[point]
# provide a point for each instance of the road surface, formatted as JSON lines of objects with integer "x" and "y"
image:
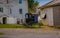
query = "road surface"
{"x": 29, "y": 33}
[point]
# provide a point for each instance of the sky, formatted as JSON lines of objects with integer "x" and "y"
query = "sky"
{"x": 42, "y": 2}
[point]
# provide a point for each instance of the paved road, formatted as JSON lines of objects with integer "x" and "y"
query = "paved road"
{"x": 29, "y": 33}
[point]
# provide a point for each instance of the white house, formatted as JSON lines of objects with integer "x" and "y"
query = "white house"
{"x": 13, "y": 11}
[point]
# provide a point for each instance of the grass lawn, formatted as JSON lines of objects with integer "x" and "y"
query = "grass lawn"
{"x": 1, "y": 33}
{"x": 57, "y": 26}
{"x": 11, "y": 26}
{"x": 35, "y": 25}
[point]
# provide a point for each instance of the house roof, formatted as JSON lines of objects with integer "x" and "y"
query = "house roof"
{"x": 50, "y": 4}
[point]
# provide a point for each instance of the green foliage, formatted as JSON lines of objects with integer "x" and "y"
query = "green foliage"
{"x": 32, "y": 4}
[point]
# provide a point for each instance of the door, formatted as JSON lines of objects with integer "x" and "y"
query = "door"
{"x": 4, "y": 20}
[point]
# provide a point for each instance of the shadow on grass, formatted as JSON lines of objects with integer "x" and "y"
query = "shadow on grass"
{"x": 57, "y": 26}
{"x": 35, "y": 25}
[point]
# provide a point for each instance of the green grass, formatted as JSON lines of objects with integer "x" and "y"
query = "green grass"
{"x": 57, "y": 26}
{"x": 37, "y": 25}
{"x": 11, "y": 26}
{"x": 1, "y": 33}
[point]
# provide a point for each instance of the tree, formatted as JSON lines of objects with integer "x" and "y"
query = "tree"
{"x": 32, "y": 4}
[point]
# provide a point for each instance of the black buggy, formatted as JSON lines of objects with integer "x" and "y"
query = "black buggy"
{"x": 29, "y": 18}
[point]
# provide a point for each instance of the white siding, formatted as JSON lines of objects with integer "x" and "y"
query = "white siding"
{"x": 49, "y": 15}
{"x": 15, "y": 6}
{"x": 11, "y": 20}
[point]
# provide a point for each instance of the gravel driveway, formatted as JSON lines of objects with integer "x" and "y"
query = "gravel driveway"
{"x": 29, "y": 33}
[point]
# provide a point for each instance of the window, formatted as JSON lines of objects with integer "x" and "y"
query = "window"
{"x": 20, "y": 1}
{"x": 20, "y": 11}
{"x": 1, "y": 9}
{"x": 26, "y": 16}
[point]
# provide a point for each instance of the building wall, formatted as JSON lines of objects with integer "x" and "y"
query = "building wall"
{"x": 49, "y": 16}
{"x": 14, "y": 6}
{"x": 53, "y": 15}
{"x": 56, "y": 15}
{"x": 11, "y": 20}
{"x": 15, "y": 9}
